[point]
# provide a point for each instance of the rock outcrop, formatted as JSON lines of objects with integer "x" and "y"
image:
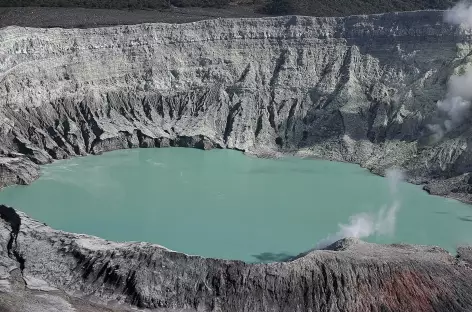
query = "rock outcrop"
{"x": 42, "y": 269}
{"x": 17, "y": 170}
{"x": 360, "y": 89}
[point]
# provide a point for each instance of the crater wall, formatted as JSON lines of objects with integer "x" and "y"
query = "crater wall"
{"x": 359, "y": 89}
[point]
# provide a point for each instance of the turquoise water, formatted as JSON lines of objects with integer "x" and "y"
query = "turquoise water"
{"x": 224, "y": 204}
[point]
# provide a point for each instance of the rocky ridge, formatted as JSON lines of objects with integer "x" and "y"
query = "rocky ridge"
{"x": 360, "y": 89}
{"x": 42, "y": 269}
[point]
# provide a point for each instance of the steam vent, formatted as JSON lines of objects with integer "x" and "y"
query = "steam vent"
{"x": 235, "y": 156}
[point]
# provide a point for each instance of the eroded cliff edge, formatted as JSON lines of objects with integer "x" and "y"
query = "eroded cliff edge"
{"x": 42, "y": 269}
{"x": 359, "y": 89}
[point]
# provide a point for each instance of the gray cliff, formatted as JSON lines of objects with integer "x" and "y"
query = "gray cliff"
{"x": 46, "y": 270}
{"x": 360, "y": 89}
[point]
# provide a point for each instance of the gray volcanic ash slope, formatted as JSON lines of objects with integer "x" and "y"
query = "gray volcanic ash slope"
{"x": 360, "y": 89}
{"x": 46, "y": 270}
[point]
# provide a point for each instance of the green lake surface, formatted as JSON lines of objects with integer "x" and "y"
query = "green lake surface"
{"x": 224, "y": 204}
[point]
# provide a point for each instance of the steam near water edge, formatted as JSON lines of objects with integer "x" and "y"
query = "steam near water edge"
{"x": 364, "y": 225}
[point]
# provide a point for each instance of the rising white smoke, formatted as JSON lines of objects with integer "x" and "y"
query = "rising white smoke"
{"x": 455, "y": 107}
{"x": 364, "y": 225}
{"x": 460, "y": 14}
{"x": 394, "y": 177}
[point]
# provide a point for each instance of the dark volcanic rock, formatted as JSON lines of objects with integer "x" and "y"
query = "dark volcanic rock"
{"x": 351, "y": 276}
{"x": 17, "y": 170}
{"x": 458, "y": 187}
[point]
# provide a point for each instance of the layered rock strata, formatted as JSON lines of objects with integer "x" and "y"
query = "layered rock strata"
{"x": 360, "y": 89}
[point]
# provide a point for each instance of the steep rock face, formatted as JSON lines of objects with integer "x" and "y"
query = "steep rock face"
{"x": 360, "y": 89}
{"x": 47, "y": 270}
{"x": 17, "y": 170}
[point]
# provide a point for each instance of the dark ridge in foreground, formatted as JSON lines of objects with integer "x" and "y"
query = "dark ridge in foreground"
{"x": 69, "y": 272}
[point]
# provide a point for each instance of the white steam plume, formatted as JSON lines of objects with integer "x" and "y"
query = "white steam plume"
{"x": 460, "y": 14}
{"x": 364, "y": 224}
{"x": 394, "y": 177}
{"x": 455, "y": 107}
